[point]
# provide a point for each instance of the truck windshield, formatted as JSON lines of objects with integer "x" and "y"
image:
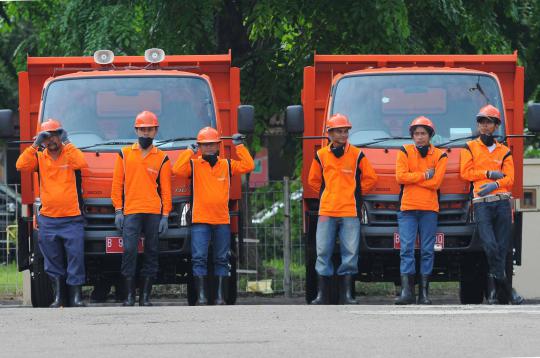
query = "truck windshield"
{"x": 383, "y": 105}
{"x": 103, "y": 109}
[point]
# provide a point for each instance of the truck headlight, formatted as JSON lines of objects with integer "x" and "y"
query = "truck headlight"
{"x": 364, "y": 219}
{"x": 184, "y": 219}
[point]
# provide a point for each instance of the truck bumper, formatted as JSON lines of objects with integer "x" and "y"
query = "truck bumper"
{"x": 380, "y": 239}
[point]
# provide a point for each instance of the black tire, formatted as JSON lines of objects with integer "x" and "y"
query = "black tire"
{"x": 311, "y": 274}
{"x": 40, "y": 285}
{"x": 472, "y": 284}
{"x": 231, "y": 291}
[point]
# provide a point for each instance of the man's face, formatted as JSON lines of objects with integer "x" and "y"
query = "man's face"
{"x": 209, "y": 148}
{"x": 146, "y": 132}
{"x": 339, "y": 136}
{"x": 487, "y": 126}
{"x": 53, "y": 143}
{"x": 420, "y": 136}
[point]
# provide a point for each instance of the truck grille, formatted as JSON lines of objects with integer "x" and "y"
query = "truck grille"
{"x": 99, "y": 214}
{"x": 454, "y": 209}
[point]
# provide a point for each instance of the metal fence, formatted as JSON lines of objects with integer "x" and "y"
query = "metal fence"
{"x": 10, "y": 277}
{"x": 273, "y": 254}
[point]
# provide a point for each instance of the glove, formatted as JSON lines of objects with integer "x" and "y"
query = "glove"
{"x": 163, "y": 225}
{"x": 495, "y": 174}
{"x": 487, "y": 188}
{"x": 41, "y": 137}
{"x": 429, "y": 173}
{"x": 237, "y": 139}
{"x": 194, "y": 147}
{"x": 119, "y": 220}
{"x": 63, "y": 136}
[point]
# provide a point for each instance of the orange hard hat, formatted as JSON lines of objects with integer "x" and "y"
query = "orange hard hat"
{"x": 208, "y": 135}
{"x": 146, "y": 119}
{"x": 422, "y": 121}
{"x": 50, "y": 125}
{"x": 490, "y": 112}
{"x": 338, "y": 120}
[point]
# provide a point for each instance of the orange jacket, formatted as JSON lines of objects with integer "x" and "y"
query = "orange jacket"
{"x": 342, "y": 181}
{"x": 142, "y": 185}
{"x": 476, "y": 160}
{"x": 417, "y": 193}
{"x": 59, "y": 180}
{"x": 210, "y": 185}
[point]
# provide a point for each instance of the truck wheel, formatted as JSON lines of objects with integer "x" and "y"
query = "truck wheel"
{"x": 472, "y": 284}
{"x": 231, "y": 291}
{"x": 311, "y": 274}
{"x": 40, "y": 285}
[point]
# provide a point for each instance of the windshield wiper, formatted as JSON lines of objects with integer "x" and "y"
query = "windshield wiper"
{"x": 379, "y": 140}
{"x": 106, "y": 143}
{"x": 463, "y": 138}
{"x": 164, "y": 141}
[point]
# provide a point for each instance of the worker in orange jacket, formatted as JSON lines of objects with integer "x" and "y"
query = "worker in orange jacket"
{"x": 420, "y": 169}
{"x": 211, "y": 181}
{"x": 60, "y": 221}
{"x": 141, "y": 195}
{"x": 488, "y": 164}
{"x": 341, "y": 173}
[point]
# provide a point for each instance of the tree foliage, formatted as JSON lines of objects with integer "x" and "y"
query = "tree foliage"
{"x": 271, "y": 40}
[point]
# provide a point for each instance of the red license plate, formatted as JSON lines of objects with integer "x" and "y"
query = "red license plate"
{"x": 439, "y": 242}
{"x": 115, "y": 245}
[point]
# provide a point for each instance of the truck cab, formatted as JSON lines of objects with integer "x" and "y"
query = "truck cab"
{"x": 381, "y": 95}
{"x": 96, "y": 101}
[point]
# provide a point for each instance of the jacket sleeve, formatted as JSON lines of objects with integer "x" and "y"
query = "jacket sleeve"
{"x": 182, "y": 166}
{"x": 245, "y": 164}
{"x": 403, "y": 175}
{"x": 165, "y": 184}
{"x": 440, "y": 169}
{"x": 369, "y": 177}
{"x": 75, "y": 157}
{"x": 27, "y": 161}
{"x": 118, "y": 184}
{"x": 467, "y": 169}
{"x": 315, "y": 175}
{"x": 508, "y": 171}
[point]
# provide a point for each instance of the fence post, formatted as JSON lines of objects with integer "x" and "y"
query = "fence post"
{"x": 286, "y": 238}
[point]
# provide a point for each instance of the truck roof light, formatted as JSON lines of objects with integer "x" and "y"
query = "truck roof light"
{"x": 103, "y": 57}
{"x": 154, "y": 55}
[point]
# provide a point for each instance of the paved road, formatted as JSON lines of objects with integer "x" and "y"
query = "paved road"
{"x": 272, "y": 331}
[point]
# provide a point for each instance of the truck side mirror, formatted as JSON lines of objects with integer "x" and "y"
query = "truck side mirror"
{"x": 6, "y": 123}
{"x": 533, "y": 117}
{"x": 294, "y": 119}
{"x": 246, "y": 119}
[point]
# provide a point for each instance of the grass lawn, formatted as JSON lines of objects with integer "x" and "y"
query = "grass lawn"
{"x": 10, "y": 280}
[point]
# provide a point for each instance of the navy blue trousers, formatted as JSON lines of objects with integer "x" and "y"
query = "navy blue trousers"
{"x": 59, "y": 235}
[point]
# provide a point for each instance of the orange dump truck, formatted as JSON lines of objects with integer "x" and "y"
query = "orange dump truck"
{"x": 97, "y": 99}
{"x": 381, "y": 94}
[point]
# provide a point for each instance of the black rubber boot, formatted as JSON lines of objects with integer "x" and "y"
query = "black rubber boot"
{"x": 59, "y": 288}
{"x": 345, "y": 292}
{"x": 322, "y": 291}
{"x": 491, "y": 295}
{"x": 130, "y": 292}
{"x": 507, "y": 293}
{"x": 144, "y": 296}
{"x": 75, "y": 296}
{"x": 200, "y": 288}
{"x": 423, "y": 291}
{"x": 407, "y": 290}
{"x": 220, "y": 296}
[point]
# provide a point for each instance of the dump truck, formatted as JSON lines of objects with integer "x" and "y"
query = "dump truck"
{"x": 381, "y": 95}
{"x": 96, "y": 99}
